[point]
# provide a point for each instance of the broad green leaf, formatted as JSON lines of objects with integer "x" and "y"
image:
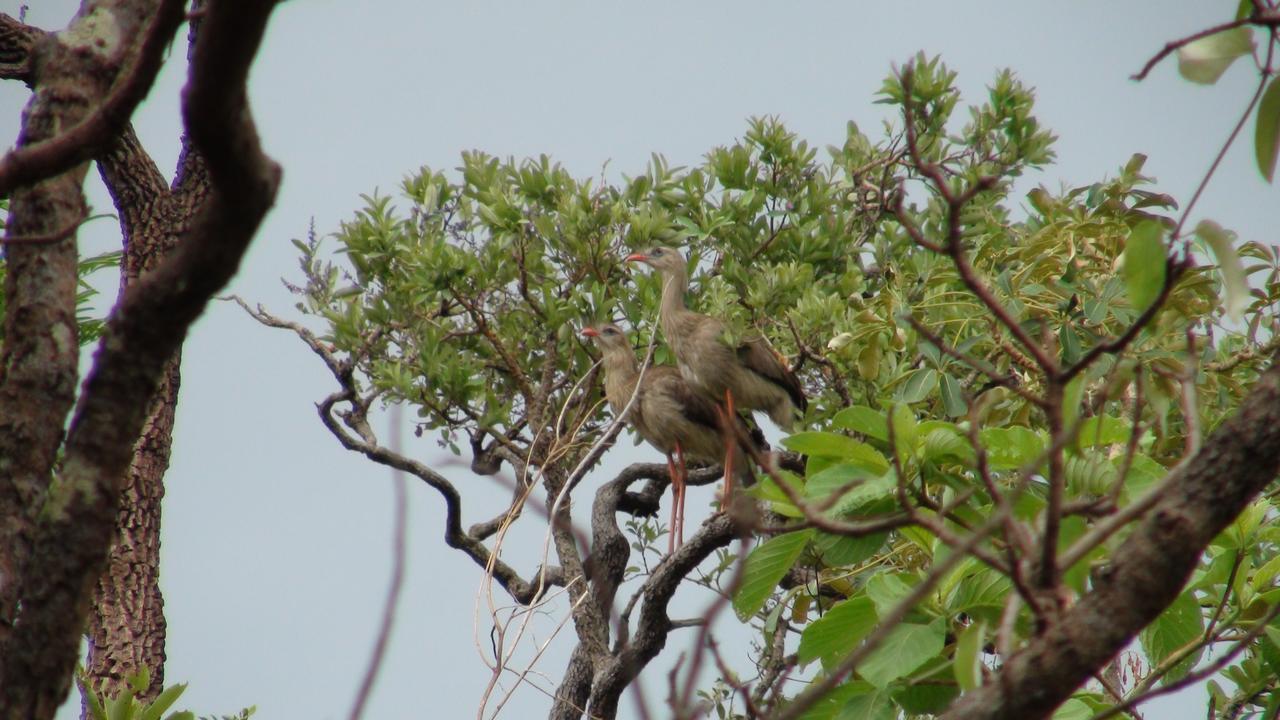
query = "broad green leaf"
{"x": 1266, "y": 137}
{"x": 831, "y": 703}
{"x": 1204, "y": 60}
{"x": 874, "y": 704}
{"x": 1103, "y": 430}
{"x": 1178, "y": 625}
{"x": 927, "y": 691}
{"x": 767, "y": 490}
{"x": 857, "y": 486}
{"x": 886, "y": 590}
{"x": 765, "y": 566}
{"x": 905, "y": 429}
{"x": 1144, "y": 264}
{"x": 1234, "y": 282}
{"x": 862, "y": 419}
{"x": 1012, "y": 447}
{"x": 1074, "y": 709}
{"x": 907, "y": 647}
{"x": 921, "y": 384}
{"x": 945, "y": 443}
{"x": 968, "y": 663}
{"x": 981, "y": 593}
{"x": 834, "y": 635}
{"x": 835, "y": 445}
{"x": 953, "y": 403}
{"x": 842, "y": 551}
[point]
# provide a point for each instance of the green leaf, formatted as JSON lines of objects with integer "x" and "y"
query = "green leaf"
{"x": 886, "y": 590}
{"x": 907, "y": 647}
{"x": 1012, "y": 447}
{"x": 833, "y": 636}
{"x": 765, "y": 566}
{"x": 831, "y": 703}
{"x": 873, "y": 704}
{"x": 919, "y": 385}
{"x": 163, "y": 702}
{"x": 856, "y": 484}
{"x": 1144, "y": 264}
{"x": 835, "y": 445}
{"x": 929, "y": 691}
{"x": 1072, "y": 397}
{"x": 862, "y": 419}
{"x": 1234, "y": 281}
{"x": 981, "y": 593}
{"x": 842, "y": 551}
{"x": 1204, "y": 60}
{"x": 1180, "y": 624}
{"x": 967, "y": 667}
{"x": 1103, "y": 430}
{"x": 1266, "y": 137}
{"x": 1074, "y": 709}
{"x": 952, "y": 397}
{"x": 905, "y": 430}
{"x": 1265, "y": 576}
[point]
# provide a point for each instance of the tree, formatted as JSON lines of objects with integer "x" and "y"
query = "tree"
{"x": 1029, "y": 422}
{"x": 1033, "y": 472}
{"x": 63, "y": 494}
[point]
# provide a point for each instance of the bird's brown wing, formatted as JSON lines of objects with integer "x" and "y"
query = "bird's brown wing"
{"x": 756, "y": 355}
{"x": 694, "y": 407}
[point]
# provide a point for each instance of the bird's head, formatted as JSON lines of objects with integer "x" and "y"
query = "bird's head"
{"x": 665, "y": 260}
{"x": 607, "y": 336}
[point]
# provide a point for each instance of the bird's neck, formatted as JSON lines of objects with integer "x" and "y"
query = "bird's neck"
{"x": 620, "y": 375}
{"x": 674, "y": 286}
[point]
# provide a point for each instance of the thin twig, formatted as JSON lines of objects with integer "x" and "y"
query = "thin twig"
{"x": 398, "y": 541}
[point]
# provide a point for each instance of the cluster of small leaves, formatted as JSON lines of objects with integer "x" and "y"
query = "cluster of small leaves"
{"x": 125, "y": 705}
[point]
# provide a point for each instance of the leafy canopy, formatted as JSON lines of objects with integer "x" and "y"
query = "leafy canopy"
{"x": 463, "y": 298}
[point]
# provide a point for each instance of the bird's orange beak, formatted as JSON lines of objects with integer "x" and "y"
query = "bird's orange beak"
{"x": 590, "y": 332}
{"x": 637, "y": 257}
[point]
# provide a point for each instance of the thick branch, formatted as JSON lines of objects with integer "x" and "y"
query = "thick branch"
{"x": 16, "y": 41}
{"x": 655, "y": 623}
{"x": 84, "y": 140}
{"x": 147, "y": 327}
{"x": 1150, "y": 567}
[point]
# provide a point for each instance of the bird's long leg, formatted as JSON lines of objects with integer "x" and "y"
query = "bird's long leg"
{"x": 675, "y": 503}
{"x": 729, "y": 442}
{"x": 682, "y": 474}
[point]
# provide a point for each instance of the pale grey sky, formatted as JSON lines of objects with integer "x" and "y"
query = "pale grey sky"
{"x": 276, "y": 541}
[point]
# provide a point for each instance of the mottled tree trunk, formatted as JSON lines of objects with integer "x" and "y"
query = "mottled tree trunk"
{"x": 127, "y": 627}
{"x": 64, "y": 552}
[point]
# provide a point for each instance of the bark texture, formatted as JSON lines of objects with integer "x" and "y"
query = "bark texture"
{"x": 79, "y": 511}
{"x": 127, "y": 628}
{"x": 72, "y": 72}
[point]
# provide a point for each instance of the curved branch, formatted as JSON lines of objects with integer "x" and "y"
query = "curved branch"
{"x": 655, "y": 624}
{"x": 83, "y": 141}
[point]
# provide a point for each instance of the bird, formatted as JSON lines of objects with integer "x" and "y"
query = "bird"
{"x": 747, "y": 375}
{"x": 666, "y": 413}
